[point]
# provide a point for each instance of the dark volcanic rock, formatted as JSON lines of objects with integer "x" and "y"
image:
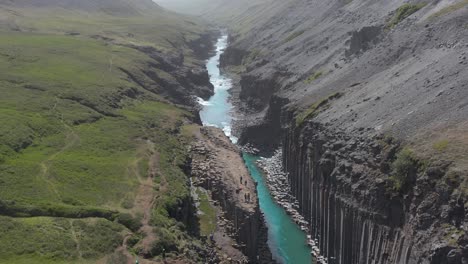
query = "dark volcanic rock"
{"x": 217, "y": 166}
{"x": 348, "y": 220}
{"x": 397, "y": 82}
{"x": 232, "y": 57}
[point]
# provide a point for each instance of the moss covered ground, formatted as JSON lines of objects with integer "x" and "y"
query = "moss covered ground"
{"x": 315, "y": 108}
{"x": 403, "y": 12}
{"x": 208, "y": 214}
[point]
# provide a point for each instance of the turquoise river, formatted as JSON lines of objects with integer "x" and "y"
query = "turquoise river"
{"x": 286, "y": 240}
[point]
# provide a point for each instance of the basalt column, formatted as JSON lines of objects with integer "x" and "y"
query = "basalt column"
{"x": 350, "y": 227}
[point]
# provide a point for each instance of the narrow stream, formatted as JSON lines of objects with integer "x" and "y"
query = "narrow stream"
{"x": 286, "y": 240}
{"x": 217, "y": 110}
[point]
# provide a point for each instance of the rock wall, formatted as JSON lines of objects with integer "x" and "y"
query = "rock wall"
{"x": 186, "y": 81}
{"x": 267, "y": 131}
{"x": 405, "y": 81}
{"x": 245, "y": 224}
{"x": 217, "y": 166}
{"x": 256, "y": 92}
{"x": 344, "y": 190}
{"x": 342, "y": 181}
{"x": 232, "y": 56}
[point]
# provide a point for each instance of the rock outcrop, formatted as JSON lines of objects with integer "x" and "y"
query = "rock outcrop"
{"x": 232, "y": 56}
{"x": 345, "y": 191}
{"x": 218, "y": 167}
{"x": 168, "y": 76}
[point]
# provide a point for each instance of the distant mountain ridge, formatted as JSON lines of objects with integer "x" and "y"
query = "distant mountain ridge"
{"x": 195, "y": 7}
{"x": 122, "y": 7}
{"x": 212, "y": 9}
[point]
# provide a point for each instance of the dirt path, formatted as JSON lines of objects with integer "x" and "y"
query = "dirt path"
{"x": 75, "y": 238}
{"x": 130, "y": 259}
{"x": 146, "y": 198}
{"x": 71, "y": 140}
{"x": 143, "y": 205}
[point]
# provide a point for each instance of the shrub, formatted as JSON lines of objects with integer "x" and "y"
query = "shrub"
{"x": 128, "y": 202}
{"x": 294, "y": 35}
{"x": 403, "y": 12}
{"x": 313, "y": 110}
{"x": 313, "y": 77}
{"x": 441, "y": 145}
{"x": 252, "y": 56}
{"x": 404, "y": 169}
{"x": 166, "y": 241}
{"x": 454, "y": 178}
{"x": 133, "y": 240}
{"x": 129, "y": 221}
{"x": 5, "y": 152}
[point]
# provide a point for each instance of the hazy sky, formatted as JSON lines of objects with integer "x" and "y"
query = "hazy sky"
{"x": 195, "y": 7}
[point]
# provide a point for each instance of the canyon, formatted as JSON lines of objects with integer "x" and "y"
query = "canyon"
{"x": 261, "y": 131}
{"x": 367, "y": 102}
{"x": 263, "y": 232}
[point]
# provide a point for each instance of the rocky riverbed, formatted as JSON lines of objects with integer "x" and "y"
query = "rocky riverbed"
{"x": 280, "y": 189}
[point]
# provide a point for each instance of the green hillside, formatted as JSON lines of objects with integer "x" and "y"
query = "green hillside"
{"x": 79, "y": 137}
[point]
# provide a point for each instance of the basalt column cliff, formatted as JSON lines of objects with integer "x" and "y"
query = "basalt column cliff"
{"x": 368, "y": 101}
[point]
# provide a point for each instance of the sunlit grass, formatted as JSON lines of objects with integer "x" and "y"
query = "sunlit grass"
{"x": 72, "y": 127}
{"x": 56, "y": 240}
{"x": 208, "y": 216}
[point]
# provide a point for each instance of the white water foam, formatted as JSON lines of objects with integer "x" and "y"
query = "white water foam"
{"x": 222, "y": 84}
{"x": 228, "y": 132}
{"x": 202, "y": 102}
{"x": 226, "y": 129}
{"x": 209, "y": 125}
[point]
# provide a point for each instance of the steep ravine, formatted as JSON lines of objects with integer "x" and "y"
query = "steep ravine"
{"x": 218, "y": 169}
{"x": 245, "y": 199}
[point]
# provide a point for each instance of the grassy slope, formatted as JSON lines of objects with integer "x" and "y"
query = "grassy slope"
{"x": 71, "y": 138}
{"x": 207, "y": 214}
{"x": 73, "y": 239}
